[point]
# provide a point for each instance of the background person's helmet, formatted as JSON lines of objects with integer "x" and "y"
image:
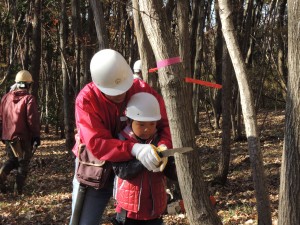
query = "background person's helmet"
{"x": 23, "y": 76}
{"x": 137, "y": 66}
{"x": 110, "y": 72}
{"x": 143, "y": 107}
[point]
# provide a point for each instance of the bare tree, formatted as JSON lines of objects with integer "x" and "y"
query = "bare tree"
{"x": 197, "y": 39}
{"x": 97, "y": 8}
{"x": 227, "y": 70}
{"x": 289, "y": 197}
{"x": 262, "y": 197}
{"x": 36, "y": 46}
{"x": 179, "y": 111}
{"x": 69, "y": 125}
{"x": 281, "y": 59}
{"x": 145, "y": 51}
{"x": 77, "y": 35}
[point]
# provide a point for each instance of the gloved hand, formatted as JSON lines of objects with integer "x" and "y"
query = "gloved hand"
{"x": 147, "y": 155}
{"x": 36, "y": 141}
{"x": 164, "y": 160}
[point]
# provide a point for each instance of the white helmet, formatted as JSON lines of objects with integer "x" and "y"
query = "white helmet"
{"x": 137, "y": 67}
{"x": 143, "y": 107}
{"x": 23, "y": 76}
{"x": 110, "y": 72}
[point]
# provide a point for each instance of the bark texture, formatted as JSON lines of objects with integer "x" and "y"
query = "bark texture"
{"x": 289, "y": 196}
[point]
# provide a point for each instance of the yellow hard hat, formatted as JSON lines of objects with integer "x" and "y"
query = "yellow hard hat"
{"x": 23, "y": 76}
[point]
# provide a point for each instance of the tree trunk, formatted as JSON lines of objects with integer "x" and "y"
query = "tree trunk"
{"x": 88, "y": 49}
{"x": 145, "y": 50}
{"x": 68, "y": 125}
{"x": 76, "y": 25}
{"x": 263, "y": 202}
{"x": 218, "y": 58}
{"x": 36, "y": 47}
{"x": 197, "y": 36}
{"x": 48, "y": 80}
{"x": 289, "y": 197}
{"x": 194, "y": 195}
{"x": 27, "y": 45}
{"x": 184, "y": 38}
{"x": 171, "y": 77}
{"x": 179, "y": 110}
{"x": 226, "y": 117}
{"x": 99, "y": 23}
{"x": 281, "y": 59}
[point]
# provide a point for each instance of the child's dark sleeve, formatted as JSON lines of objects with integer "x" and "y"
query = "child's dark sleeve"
{"x": 128, "y": 169}
{"x": 170, "y": 169}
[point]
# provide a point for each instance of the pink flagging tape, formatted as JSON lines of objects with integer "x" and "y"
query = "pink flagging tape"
{"x": 167, "y": 62}
{"x": 153, "y": 70}
{"x": 201, "y": 82}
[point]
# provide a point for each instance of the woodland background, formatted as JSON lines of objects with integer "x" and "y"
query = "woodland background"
{"x": 47, "y": 198}
{"x": 55, "y": 41}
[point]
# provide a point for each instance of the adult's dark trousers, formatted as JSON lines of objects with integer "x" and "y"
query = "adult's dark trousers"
{"x": 21, "y": 164}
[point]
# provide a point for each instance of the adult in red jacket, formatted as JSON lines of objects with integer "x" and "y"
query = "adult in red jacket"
{"x": 99, "y": 112}
{"x": 20, "y": 127}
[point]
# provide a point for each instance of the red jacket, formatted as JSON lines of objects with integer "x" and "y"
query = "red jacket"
{"x": 98, "y": 123}
{"x": 143, "y": 195}
{"x": 19, "y": 116}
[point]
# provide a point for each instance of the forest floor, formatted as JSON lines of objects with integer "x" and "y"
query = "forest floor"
{"x": 47, "y": 196}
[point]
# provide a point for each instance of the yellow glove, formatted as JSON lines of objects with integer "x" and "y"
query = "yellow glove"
{"x": 164, "y": 160}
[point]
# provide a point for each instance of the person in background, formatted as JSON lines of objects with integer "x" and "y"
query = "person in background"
{"x": 141, "y": 194}
{"x": 137, "y": 70}
{"x": 100, "y": 116}
{"x": 20, "y": 130}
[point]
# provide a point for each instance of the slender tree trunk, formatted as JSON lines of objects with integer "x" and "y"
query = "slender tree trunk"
{"x": 218, "y": 58}
{"x": 88, "y": 49}
{"x": 226, "y": 117}
{"x": 145, "y": 50}
{"x": 36, "y": 46}
{"x": 179, "y": 111}
{"x": 289, "y": 194}
{"x": 99, "y": 23}
{"x": 184, "y": 38}
{"x": 239, "y": 122}
{"x": 197, "y": 53}
{"x": 76, "y": 25}
{"x": 68, "y": 125}
{"x": 48, "y": 80}
{"x": 281, "y": 59}
{"x": 27, "y": 45}
{"x": 262, "y": 197}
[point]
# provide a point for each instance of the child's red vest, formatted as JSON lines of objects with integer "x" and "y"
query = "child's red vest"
{"x": 143, "y": 197}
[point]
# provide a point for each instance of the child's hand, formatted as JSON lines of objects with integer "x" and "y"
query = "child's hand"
{"x": 147, "y": 155}
{"x": 164, "y": 160}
